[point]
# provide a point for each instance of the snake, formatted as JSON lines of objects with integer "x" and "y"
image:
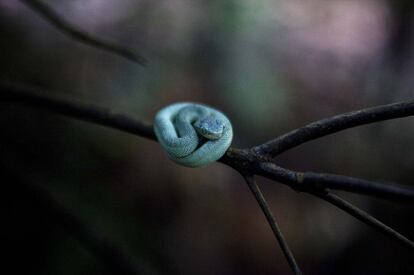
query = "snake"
{"x": 193, "y": 134}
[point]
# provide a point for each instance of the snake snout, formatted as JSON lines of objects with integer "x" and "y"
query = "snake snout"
{"x": 210, "y": 128}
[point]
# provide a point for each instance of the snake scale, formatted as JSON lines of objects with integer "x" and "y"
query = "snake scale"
{"x": 193, "y": 134}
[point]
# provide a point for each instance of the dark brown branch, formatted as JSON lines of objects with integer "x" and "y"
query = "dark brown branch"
{"x": 365, "y": 218}
{"x": 334, "y": 124}
{"x": 381, "y": 190}
{"x": 56, "y": 20}
{"x": 91, "y": 113}
{"x": 254, "y": 188}
{"x": 241, "y": 160}
{"x": 112, "y": 256}
{"x": 247, "y": 161}
{"x": 296, "y": 181}
{"x": 310, "y": 182}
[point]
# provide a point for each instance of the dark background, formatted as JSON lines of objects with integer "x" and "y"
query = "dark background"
{"x": 271, "y": 66}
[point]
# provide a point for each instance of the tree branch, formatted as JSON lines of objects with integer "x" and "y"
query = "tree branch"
{"x": 248, "y": 161}
{"x": 310, "y": 182}
{"x": 387, "y": 191}
{"x": 334, "y": 124}
{"x": 239, "y": 159}
{"x": 75, "y": 109}
{"x": 364, "y": 217}
{"x": 297, "y": 182}
{"x": 56, "y": 20}
{"x": 273, "y": 224}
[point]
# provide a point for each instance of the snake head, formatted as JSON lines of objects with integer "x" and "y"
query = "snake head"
{"x": 209, "y": 127}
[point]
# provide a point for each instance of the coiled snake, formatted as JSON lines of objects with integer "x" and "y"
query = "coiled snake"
{"x": 193, "y": 134}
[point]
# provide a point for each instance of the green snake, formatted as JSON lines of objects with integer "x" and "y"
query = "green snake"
{"x": 193, "y": 134}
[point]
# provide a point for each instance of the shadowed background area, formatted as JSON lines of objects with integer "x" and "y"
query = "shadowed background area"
{"x": 271, "y": 66}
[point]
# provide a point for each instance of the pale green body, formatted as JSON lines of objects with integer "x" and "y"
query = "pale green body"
{"x": 193, "y": 134}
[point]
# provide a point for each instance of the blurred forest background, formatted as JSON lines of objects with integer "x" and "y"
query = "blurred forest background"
{"x": 271, "y": 66}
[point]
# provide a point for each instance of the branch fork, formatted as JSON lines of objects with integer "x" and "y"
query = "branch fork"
{"x": 260, "y": 160}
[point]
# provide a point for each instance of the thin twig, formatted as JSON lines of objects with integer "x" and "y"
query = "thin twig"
{"x": 388, "y": 191}
{"x": 310, "y": 182}
{"x": 112, "y": 256}
{"x": 56, "y": 20}
{"x": 254, "y": 188}
{"x": 365, "y": 217}
{"x": 334, "y": 124}
{"x": 75, "y": 109}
